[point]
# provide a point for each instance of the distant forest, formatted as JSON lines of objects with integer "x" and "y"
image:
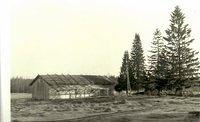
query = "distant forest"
{"x": 20, "y": 85}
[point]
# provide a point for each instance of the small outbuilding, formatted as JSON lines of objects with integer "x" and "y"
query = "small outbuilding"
{"x": 55, "y": 86}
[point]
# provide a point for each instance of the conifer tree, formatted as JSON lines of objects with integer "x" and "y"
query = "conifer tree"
{"x": 156, "y": 51}
{"x": 182, "y": 62}
{"x": 162, "y": 72}
{"x": 137, "y": 62}
{"x": 158, "y": 63}
{"x": 122, "y": 79}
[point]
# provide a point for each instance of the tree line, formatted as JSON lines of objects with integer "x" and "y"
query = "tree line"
{"x": 172, "y": 63}
{"x": 20, "y": 85}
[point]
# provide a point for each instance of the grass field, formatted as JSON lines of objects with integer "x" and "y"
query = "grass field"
{"x": 138, "y": 108}
{"x": 20, "y": 96}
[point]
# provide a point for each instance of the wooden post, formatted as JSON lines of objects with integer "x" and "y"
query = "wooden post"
{"x": 84, "y": 93}
{"x": 128, "y": 87}
{"x": 69, "y": 95}
{"x": 75, "y": 93}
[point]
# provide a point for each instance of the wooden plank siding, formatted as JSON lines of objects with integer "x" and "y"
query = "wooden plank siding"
{"x": 40, "y": 90}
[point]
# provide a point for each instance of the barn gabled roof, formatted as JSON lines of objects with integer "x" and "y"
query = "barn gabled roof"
{"x": 58, "y": 80}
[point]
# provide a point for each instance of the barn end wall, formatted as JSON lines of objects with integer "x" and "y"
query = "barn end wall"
{"x": 40, "y": 90}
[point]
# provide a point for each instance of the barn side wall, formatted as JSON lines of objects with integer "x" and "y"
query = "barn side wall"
{"x": 40, "y": 90}
{"x": 78, "y": 91}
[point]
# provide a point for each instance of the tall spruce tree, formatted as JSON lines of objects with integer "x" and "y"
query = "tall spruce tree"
{"x": 156, "y": 51}
{"x": 137, "y": 62}
{"x": 158, "y": 67}
{"x": 161, "y": 77}
{"x": 122, "y": 79}
{"x": 182, "y": 62}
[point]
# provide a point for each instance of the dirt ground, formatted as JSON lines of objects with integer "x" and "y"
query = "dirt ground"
{"x": 138, "y": 108}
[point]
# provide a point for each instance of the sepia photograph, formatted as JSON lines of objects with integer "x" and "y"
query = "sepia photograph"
{"x": 103, "y": 61}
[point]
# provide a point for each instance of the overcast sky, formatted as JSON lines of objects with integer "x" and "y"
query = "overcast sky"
{"x": 87, "y": 36}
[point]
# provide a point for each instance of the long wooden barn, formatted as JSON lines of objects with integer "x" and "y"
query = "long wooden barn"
{"x": 46, "y": 87}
